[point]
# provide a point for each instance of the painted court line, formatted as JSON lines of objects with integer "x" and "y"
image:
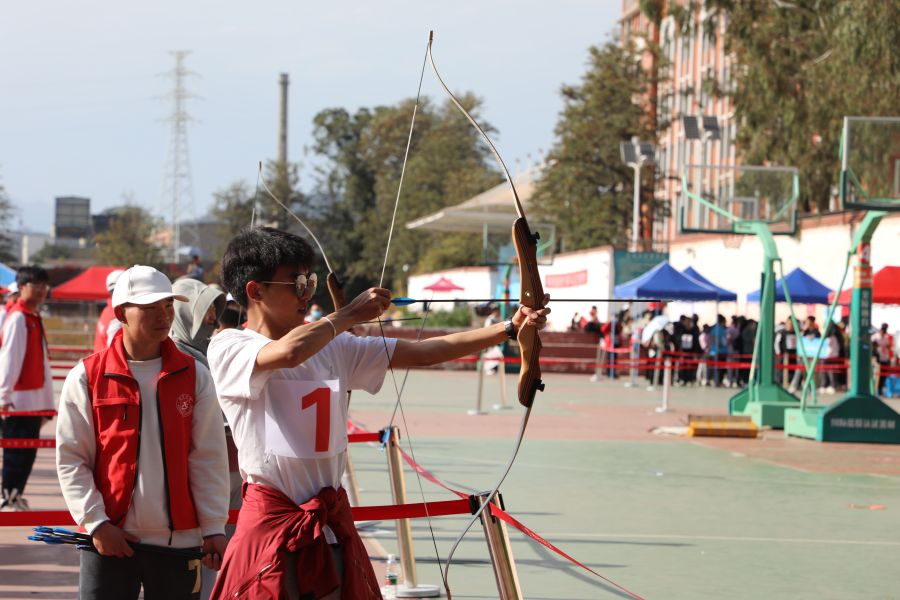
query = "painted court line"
{"x": 722, "y": 538}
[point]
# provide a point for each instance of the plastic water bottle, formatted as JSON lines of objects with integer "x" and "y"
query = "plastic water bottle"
{"x": 391, "y": 578}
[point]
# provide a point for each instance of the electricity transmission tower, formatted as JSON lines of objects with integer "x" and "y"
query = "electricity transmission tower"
{"x": 177, "y": 191}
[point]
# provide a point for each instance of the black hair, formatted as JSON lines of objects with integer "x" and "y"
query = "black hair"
{"x": 31, "y": 274}
{"x": 255, "y": 254}
{"x": 231, "y": 318}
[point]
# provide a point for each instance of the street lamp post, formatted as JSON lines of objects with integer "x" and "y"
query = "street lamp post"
{"x": 636, "y": 154}
{"x": 703, "y": 128}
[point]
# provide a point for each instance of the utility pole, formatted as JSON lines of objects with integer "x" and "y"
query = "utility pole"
{"x": 177, "y": 191}
{"x": 283, "y": 82}
{"x": 282, "y": 184}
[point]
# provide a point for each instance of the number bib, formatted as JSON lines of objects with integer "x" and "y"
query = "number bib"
{"x": 305, "y": 419}
{"x": 790, "y": 341}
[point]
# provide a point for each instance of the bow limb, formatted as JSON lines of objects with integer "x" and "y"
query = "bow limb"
{"x": 532, "y": 292}
{"x": 335, "y": 287}
{"x": 532, "y": 296}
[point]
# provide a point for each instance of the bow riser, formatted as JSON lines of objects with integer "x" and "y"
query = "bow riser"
{"x": 531, "y": 294}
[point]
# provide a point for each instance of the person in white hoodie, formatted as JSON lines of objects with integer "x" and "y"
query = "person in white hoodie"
{"x": 140, "y": 452}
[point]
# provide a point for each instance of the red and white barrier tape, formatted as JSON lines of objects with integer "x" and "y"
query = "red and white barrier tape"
{"x": 506, "y": 517}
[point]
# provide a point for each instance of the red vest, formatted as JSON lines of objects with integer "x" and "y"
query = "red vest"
{"x": 32, "y": 375}
{"x": 116, "y": 407}
{"x": 103, "y": 322}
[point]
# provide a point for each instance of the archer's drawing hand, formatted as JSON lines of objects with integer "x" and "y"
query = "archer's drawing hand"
{"x": 369, "y": 305}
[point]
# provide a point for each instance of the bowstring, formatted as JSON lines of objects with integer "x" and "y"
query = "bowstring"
{"x": 398, "y": 390}
{"x": 519, "y": 209}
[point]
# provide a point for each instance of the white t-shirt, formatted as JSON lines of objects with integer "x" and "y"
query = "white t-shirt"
{"x": 346, "y": 363}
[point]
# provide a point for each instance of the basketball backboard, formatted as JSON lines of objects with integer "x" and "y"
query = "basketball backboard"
{"x": 715, "y": 198}
{"x": 870, "y": 163}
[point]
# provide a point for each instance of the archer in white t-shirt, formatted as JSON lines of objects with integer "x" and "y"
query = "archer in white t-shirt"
{"x": 282, "y": 385}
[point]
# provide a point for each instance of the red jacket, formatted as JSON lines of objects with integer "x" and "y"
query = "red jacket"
{"x": 32, "y": 375}
{"x": 103, "y": 322}
{"x": 116, "y": 406}
{"x": 270, "y": 524}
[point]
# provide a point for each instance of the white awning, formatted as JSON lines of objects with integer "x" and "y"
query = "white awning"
{"x": 493, "y": 208}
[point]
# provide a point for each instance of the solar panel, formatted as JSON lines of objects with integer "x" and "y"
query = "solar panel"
{"x": 711, "y": 127}
{"x": 691, "y": 128}
{"x": 629, "y": 156}
{"x": 648, "y": 152}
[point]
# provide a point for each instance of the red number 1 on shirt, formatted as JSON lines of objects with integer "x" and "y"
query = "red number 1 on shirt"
{"x": 321, "y": 398}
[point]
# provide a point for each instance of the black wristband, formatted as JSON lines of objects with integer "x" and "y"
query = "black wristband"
{"x": 511, "y": 332}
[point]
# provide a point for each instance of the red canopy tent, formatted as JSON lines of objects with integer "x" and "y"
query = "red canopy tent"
{"x": 89, "y": 285}
{"x": 443, "y": 285}
{"x": 885, "y": 288}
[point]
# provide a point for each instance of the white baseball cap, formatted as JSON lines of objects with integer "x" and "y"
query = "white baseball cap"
{"x": 143, "y": 285}
{"x": 13, "y": 288}
{"x": 112, "y": 278}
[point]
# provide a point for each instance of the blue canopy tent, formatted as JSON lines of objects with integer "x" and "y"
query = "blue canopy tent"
{"x": 7, "y": 275}
{"x": 664, "y": 282}
{"x": 804, "y": 289}
{"x": 724, "y": 295}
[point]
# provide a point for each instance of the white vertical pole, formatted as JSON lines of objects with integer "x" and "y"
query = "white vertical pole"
{"x": 479, "y": 365}
{"x": 667, "y": 383}
{"x": 636, "y": 209}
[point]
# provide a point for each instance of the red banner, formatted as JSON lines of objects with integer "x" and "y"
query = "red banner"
{"x": 564, "y": 280}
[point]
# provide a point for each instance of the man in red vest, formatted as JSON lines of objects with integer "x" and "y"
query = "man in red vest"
{"x": 107, "y": 324}
{"x": 140, "y": 452}
{"x": 25, "y": 381}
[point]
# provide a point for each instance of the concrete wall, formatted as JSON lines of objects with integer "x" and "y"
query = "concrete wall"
{"x": 582, "y": 274}
{"x": 477, "y": 282}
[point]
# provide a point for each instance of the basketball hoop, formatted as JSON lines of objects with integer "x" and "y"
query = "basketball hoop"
{"x": 733, "y": 241}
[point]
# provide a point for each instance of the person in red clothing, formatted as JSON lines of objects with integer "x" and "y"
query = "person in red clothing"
{"x": 140, "y": 453}
{"x": 12, "y": 294}
{"x": 25, "y": 380}
{"x": 107, "y": 324}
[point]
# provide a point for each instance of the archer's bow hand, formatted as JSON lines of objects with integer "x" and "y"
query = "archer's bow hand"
{"x": 369, "y": 305}
{"x": 531, "y": 317}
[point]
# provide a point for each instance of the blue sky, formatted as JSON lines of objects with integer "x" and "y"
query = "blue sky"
{"x": 80, "y": 84}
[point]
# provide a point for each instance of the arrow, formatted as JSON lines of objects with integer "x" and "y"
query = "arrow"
{"x": 82, "y": 541}
{"x": 408, "y": 301}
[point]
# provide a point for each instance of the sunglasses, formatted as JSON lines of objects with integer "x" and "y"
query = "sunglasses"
{"x": 304, "y": 285}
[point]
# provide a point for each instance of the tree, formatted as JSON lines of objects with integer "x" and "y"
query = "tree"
{"x": 804, "y": 65}
{"x": 128, "y": 239}
{"x": 232, "y": 210}
{"x": 357, "y": 187}
{"x": 51, "y": 252}
{"x": 284, "y": 182}
{"x": 6, "y": 214}
{"x": 586, "y": 189}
